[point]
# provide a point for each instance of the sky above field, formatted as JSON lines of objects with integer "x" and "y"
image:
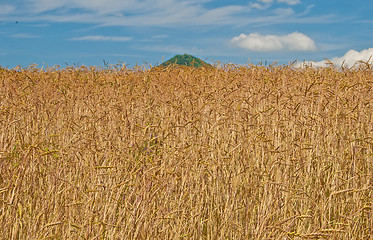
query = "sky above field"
{"x": 144, "y": 32}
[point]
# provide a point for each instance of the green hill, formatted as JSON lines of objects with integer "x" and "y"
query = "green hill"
{"x": 186, "y": 60}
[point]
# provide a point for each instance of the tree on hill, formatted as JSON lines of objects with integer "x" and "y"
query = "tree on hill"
{"x": 186, "y": 60}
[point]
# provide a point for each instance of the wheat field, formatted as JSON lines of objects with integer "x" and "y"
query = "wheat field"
{"x": 236, "y": 152}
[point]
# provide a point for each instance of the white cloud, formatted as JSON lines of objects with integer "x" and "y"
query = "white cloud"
{"x": 162, "y": 13}
{"x": 3, "y": 52}
{"x": 284, "y": 11}
{"x": 350, "y": 59}
{"x": 264, "y": 43}
{"x": 160, "y": 36}
{"x": 257, "y": 6}
{"x": 99, "y": 6}
{"x": 6, "y": 9}
{"x": 173, "y": 49}
{"x": 120, "y": 8}
{"x": 263, "y": 4}
{"x": 289, "y": 2}
{"x": 131, "y": 12}
{"x": 24, "y": 35}
{"x": 102, "y": 38}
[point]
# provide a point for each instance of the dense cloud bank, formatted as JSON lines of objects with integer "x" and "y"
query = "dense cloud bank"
{"x": 350, "y": 59}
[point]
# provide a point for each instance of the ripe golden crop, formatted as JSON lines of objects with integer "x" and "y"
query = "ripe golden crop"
{"x": 248, "y": 152}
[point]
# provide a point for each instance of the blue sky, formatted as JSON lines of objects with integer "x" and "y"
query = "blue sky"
{"x": 89, "y": 32}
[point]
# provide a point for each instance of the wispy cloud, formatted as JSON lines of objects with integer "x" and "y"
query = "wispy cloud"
{"x": 168, "y": 13}
{"x": 290, "y": 2}
{"x": 6, "y": 9}
{"x": 264, "y": 4}
{"x": 102, "y": 38}
{"x": 350, "y": 59}
{"x": 161, "y": 36}
{"x": 261, "y": 5}
{"x": 170, "y": 48}
{"x": 117, "y": 12}
{"x": 284, "y": 11}
{"x": 3, "y": 52}
{"x": 24, "y": 35}
{"x": 264, "y": 43}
